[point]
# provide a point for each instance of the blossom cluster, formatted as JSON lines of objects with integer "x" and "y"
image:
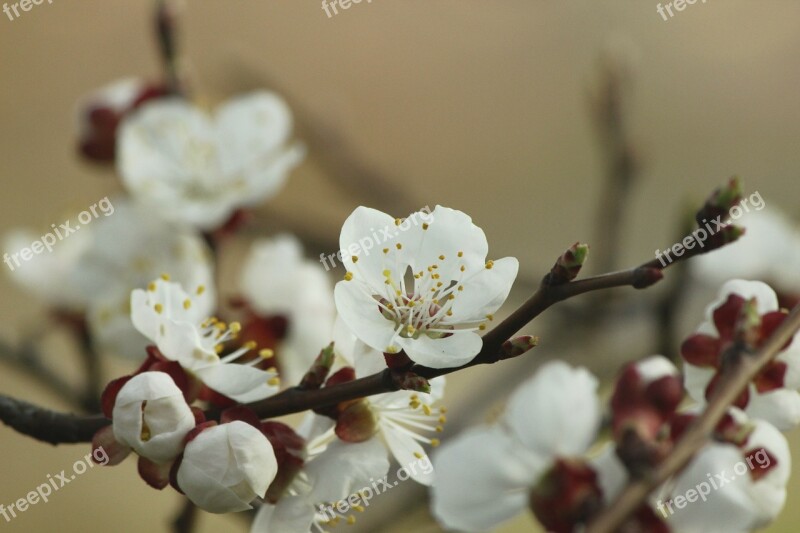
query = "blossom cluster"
{"x": 142, "y": 284}
{"x": 548, "y": 453}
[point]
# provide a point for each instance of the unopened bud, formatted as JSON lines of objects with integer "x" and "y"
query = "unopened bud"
{"x": 319, "y": 370}
{"x": 721, "y": 201}
{"x": 408, "y": 380}
{"x": 568, "y": 265}
{"x": 518, "y": 346}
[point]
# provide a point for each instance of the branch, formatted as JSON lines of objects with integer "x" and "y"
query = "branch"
{"x": 610, "y": 120}
{"x": 49, "y": 426}
{"x": 699, "y": 433}
{"x": 55, "y": 428}
{"x": 26, "y": 359}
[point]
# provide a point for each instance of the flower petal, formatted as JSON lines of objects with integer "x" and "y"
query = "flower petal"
{"x": 482, "y": 479}
{"x": 459, "y": 348}
{"x": 242, "y": 383}
{"x": 292, "y": 514}
{"x": 556, "y": 413}
{"x": 345, "y": 468}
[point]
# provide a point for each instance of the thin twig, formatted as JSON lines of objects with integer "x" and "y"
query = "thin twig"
{"x": 699, "y": 433}
{"x": 294, "y": 400}
{"x": 186, "y": 518}
{"x": 26, "y": 359}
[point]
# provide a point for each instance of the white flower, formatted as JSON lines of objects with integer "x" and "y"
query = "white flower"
{"x": 127, "y": 250}
{"x": 740, "y": 496}
{"x": 278, "y": 281}
{"x": 50, "y": 276}
{"x": 151, "y": 416}
{"x": 428, "y": 290}
{"x": 179, "y": 325}
{"x": 769, "y": 250}
{"x": 226, "y": 467}
{"x": 199, "y": 169}
{"x": 781, "y": 405}
{"x": 484, "y": 477}
{"x": 401, "y": 418}
{"x": 333, "y": 472}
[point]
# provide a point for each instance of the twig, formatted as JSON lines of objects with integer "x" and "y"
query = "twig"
{"x": 77, "y": 429}
{"x": 166, "y": 37}
{"x": 26, "y": 359}
{"x": 186, "y": 518}
{"x": 698, "y": 434}
{"x": 620, "y": 162}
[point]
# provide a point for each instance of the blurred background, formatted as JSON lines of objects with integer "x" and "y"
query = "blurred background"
{"x": 480, "y": 106}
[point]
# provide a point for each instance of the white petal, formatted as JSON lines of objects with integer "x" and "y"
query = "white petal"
{"x": 154, "y": 399}
{"x": 409, "y": 454}
{"x": 251, "y": 125}
{"x": 557, "y": 411}
{"x": 769, "y": 492}
{"x": 695, "y": 381}
{"x": 482, "y": 479}
{"x": 242, "y": 383}
{"x": 226, "y": 467}
{"x": 362, "y": 316}
{"x": 780, "y": 407}
{"x": 655, "y": 367}
{"x": 358, "y": 234}
{"x": 449, "y": 232}
{"x": 447, "y": 352}
{"x": 766, "y": 299}
{"x": 292, "y": 514}
{"x": 611, "y": 473}
{"x": 727, "y": 508}
{"x": 485, "y": 291}
{"x": 346, "y": 468}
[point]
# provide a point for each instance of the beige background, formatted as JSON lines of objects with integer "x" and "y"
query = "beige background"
{"x": 479, "y": 105}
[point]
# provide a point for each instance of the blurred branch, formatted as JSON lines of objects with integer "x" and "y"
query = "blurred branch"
{"x": 336, "y": 155}
{"x": 607, "y": 107}
{"x": 28, "y": 360}
{"x": 698, "y": 434}
{"x": 166, "y": 25}
{"x": 186, "y": 518}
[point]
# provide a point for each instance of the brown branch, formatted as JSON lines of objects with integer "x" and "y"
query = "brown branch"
{"x": 48, "y": 426}
{"x": 699, "y": 433}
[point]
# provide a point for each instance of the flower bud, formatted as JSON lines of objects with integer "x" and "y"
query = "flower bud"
{"x": 151, "y": 416}
{"x": 568, "y": 265}
{"x": 226, "y": 467}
